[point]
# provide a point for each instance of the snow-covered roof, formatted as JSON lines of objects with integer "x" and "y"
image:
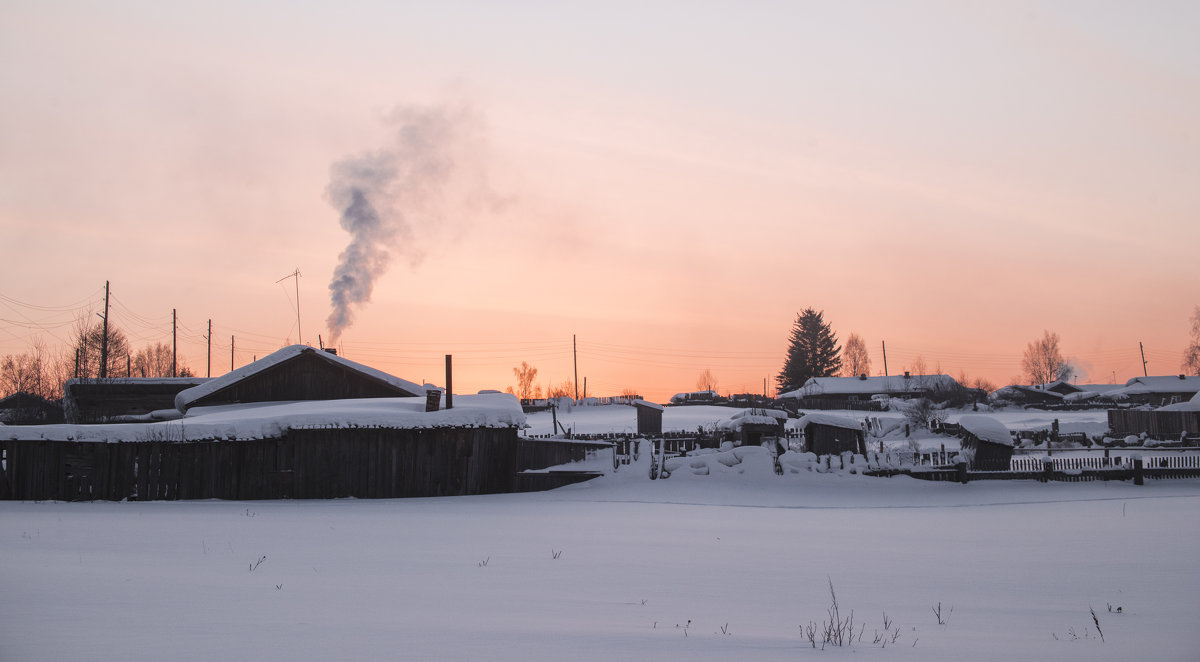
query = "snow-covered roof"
{"x": 986, "y": 428}
{"x": 647, "y": 404}
{"x": 1168, "y": 384}
{"x": 185, "y": 398}
{"x": 266, "y": 420}
{"x": 753, "y": 416}
{"x": 695, "y": 395}
{"x": 893, "y": 385}
{"x": 831, "y": 420}
{"x": 139, "y": 381}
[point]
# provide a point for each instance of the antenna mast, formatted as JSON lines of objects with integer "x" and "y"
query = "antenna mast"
{"x": 296, "y": 275}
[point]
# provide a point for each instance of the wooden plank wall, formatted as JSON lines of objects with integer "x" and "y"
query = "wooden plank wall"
{"x": 304, "y": 464}
{"x": 1164, "y": 425}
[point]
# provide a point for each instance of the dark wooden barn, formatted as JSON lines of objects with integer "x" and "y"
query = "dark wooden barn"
{"x": 122, "y": 399}
{"x": 987, "y": 445}
{"x": 828, "y": 434}
{"x": 367, "y": 448}
{"x": 297, "y": 373}
{"x": 649, "y": 417}
{"x": 29, "y": 409}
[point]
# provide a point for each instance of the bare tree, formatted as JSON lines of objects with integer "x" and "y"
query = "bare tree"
{"x": 1043, "y": 362}
{"x": 88, "y": 345}
{"x": 525, "y": 376}
{"x": 1191, "y": 355}
{"x": 565, "y": 389}
{"x": 152, "y": 361}
{"x": 855, "y": 360}
{"x": 706, "y": 381}
{"x": 20, "y": 373}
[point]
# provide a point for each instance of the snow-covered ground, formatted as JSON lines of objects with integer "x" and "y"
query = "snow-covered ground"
{"x": 723, "y": 566}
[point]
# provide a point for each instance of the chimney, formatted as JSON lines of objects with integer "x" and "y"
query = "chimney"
{"x": 906, "y": 375}
{"x": 331, "y": 350}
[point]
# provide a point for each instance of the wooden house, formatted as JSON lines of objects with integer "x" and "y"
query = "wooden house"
{"x": 1156, "y": 390}
{"x": 649, "y": 418}
{"x": 864, "y": 389}
{"x": 123, "y": 399}
{"x": 829, "y": 434}
{"x": 296, "y": 373}
{"x": 986, "y": 444}
{"x": 29, "y": 409}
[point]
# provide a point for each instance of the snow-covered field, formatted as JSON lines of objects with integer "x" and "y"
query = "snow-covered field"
{"x": 719, "y": 567}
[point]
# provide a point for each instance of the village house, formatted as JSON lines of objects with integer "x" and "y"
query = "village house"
{"x": 869, "y": 392}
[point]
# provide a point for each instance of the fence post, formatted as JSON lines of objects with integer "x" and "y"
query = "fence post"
{"x": 961, "y": 467}
{"x": 1138, "y": 476}
{"x": 1047, "y": 470}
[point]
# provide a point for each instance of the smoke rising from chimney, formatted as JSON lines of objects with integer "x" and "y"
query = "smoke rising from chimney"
{"x": 394, "y": 200}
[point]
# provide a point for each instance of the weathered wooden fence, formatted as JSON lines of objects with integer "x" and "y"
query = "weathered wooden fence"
{"x": 302, "y": 464}
{"x": 1156, "y": 424}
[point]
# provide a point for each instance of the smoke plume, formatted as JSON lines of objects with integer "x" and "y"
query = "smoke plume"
{"x": 394, "y": 201}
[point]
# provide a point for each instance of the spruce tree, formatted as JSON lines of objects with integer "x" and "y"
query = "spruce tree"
{"x": 813, "y": 351}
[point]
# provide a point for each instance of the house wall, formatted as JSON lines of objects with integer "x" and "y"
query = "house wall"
{"x": 988, "y": 456}
{"x": 305, "y": 377}
{"x": 830, "y": 440}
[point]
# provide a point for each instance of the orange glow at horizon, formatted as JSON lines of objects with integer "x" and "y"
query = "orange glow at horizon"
{"x": 950, "y": 180}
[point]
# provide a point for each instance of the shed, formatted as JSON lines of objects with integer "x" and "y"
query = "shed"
{"x": 297, "y": 372}
{"x": 830, "y": 434}
{"x": 751, "y": 427}
{"x": 123, "y": 399}
{"x": 987, "y": 444}
{"x": 649, "y": 417}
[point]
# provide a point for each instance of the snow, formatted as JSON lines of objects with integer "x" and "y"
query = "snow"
{"x": 986, "y": 428}
{"x": 722, "y": 560}
{"x": 266, "y": 420}
{"x": 647, "y": 404}
{"x": 831, "y": 420}
{"x": 739, "y": 549}
{"x": 185, "y": 398}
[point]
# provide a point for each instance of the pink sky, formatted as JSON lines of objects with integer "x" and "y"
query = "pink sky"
{"x": 674, "y": 182}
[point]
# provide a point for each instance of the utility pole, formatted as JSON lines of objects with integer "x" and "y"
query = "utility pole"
{"x": 575, "y": 355}
{"x": 208, "y": 369}
{"x": 173, "y": 346}
{"x": 104, "y": 341}
{"x": 449, "y": 384}
{"x": 1143, "y": 350}
{"x": 230, "y": 353}
{"x": 296, "y": 275}
{"x": 884, "y": 358}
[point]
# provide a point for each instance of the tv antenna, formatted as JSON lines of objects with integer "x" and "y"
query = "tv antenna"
{"x": 296, "y": 275}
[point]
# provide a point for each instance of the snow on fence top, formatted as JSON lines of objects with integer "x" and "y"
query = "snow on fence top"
{"x": 185, "y": 398}
{"x": 268, "y": 420}
{"x": 986, "y": 428}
